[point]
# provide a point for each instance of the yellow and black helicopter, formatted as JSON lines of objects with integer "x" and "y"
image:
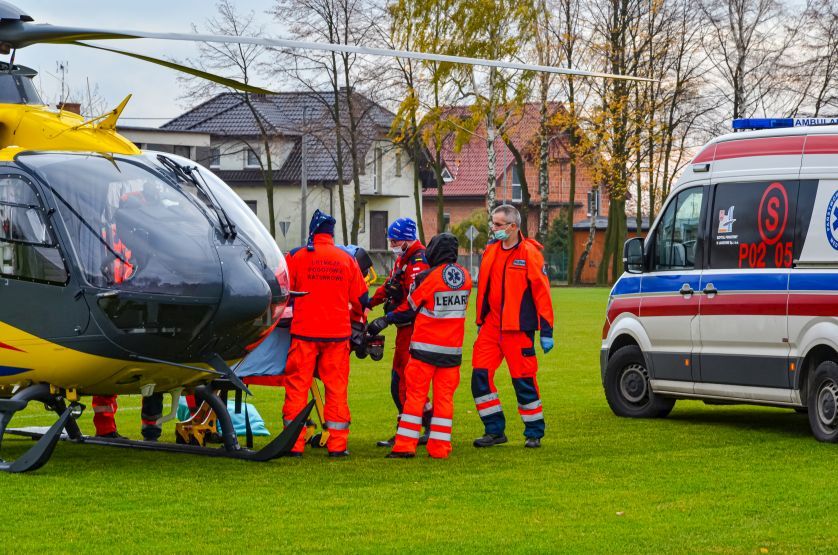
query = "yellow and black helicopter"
{"x": 124, "y": 271}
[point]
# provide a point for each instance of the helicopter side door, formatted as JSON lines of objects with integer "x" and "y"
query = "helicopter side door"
{"x": 36, "y": 286}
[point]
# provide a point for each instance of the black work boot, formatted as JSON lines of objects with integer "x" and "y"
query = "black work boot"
{"x": 386, "y": 442}
{"x": 400, "y": 455}
{"x": 112, "y": 435}
{"x": 338, "y": 454}
{"x": 490, "y": 440}
{"x": 533, "y": 442}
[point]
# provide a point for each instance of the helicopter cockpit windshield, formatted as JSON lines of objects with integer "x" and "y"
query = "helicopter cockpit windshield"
{"x": 130, "y": 228}
{"x": 230, "y": 203}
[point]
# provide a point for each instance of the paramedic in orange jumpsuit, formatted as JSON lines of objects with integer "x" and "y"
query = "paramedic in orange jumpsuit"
{"x": 513, "y": 302}
{"x": 438, "y": 304}
{"x": 410, "y": 262}
{"x": 320, "y": 329}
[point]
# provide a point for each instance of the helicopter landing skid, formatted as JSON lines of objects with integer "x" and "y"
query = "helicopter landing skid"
{"x": 38, "y": 455}
{"x": 279, "y": 447}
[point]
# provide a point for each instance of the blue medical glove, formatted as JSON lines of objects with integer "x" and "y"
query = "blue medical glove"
{"x": 546, "y": 344}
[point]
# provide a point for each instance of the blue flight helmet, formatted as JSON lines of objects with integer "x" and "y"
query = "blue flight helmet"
{"x": 403, "y": 229}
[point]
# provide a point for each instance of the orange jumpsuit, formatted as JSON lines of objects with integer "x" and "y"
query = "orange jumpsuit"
{"x": 436, "y": 349}
{"x": 320, "y": 332}
{"x": 513, "y": 302}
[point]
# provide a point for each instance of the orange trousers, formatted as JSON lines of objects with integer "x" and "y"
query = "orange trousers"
{"x": 419, "y": 376}
{"x": 401, "y": 356}
{"x": 104, "y": 414}
{"x": 331, "y": 360}
{"x": 490, "y": 350}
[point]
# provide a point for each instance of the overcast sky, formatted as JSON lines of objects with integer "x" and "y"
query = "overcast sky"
{"x": 155, "y": 88}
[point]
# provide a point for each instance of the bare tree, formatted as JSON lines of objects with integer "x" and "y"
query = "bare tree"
{"x": 240, "y": 62}
{"x": 746, "y": 41}
{"x": 816, "y": 83}
{"x": 326, "y": 21}
{"x": 499, "y": 29}
{"x": 569, "y": 33}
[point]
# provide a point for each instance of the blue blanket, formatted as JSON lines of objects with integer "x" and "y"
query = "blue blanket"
{"x": 268, "y": 359}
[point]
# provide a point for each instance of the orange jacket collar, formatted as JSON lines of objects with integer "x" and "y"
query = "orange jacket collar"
{"x": 323, "y": 239}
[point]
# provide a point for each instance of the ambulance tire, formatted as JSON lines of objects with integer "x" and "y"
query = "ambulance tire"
{"x": 627, "y": 387}
{"x": 823, "y": 402}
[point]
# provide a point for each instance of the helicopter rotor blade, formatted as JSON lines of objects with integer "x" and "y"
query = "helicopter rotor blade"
{"x": 18, "y": 34}
{"x": 231, "y": 83}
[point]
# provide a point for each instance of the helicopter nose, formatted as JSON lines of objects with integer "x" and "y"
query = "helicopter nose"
{"x": 243, "y": 311}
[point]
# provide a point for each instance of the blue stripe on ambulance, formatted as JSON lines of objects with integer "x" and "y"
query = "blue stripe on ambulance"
{"x": 794, "y": 280}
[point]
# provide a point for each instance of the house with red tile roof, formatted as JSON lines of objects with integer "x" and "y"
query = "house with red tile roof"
{"x": 465, "y": 177}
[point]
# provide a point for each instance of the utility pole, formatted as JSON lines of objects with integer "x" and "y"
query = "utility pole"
{"x": 303, "y": 182}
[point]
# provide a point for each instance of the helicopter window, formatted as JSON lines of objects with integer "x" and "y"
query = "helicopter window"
{"x": 20, "y": 213}
{"x": 26, "y": 248}
{"x": 15, "y": 89}
{"x": 127, "y": 227}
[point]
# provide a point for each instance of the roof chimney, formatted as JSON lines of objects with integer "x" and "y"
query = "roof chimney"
{"x": 74, "y": 107}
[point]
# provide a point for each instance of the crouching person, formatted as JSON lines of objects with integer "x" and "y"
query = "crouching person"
{"x": 438, "y": 303}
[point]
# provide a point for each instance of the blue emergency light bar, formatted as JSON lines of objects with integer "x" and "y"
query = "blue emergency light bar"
{"x": 778, "y": 123}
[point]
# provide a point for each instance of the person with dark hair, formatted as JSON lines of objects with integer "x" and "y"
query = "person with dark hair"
{"x": 410, "y": 262}
{"x": 321, "y": 329}
{"x": 437, "y": 306}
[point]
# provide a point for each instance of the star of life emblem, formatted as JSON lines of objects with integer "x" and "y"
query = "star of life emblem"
{"x": 453, "y": 276}
{"x": 832, "y": 221}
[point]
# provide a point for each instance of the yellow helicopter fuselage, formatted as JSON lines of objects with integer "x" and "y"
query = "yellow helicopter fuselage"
{"x": 27, "y": 358}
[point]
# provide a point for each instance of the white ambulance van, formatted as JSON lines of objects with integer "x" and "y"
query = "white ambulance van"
{"x": 733, "y": 296}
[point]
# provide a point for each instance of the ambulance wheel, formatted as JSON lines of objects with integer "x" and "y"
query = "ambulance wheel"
{"x": 627, "y": 387}
{"x": 823, "y": 402}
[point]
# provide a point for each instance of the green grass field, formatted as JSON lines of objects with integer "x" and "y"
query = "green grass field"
{"x": 706, "y": 479}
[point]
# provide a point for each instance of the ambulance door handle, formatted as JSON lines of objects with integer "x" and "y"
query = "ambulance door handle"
{"x": 710, "y": 290}
{"x": 686, "y": 290}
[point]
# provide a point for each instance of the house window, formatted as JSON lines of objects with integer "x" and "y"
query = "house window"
{"x": 362, "y": 224}
{"x": 215, "y": 157}
{"x": 182, "y": 150}
{"x": 252, "y": 158}
{"x": 446, "y": 222}
{"x": 377, "y": 172}
{"x": 516, "y": 185}
{"x": 398, "y": 162}
{"x": 253, "y": 205}
{"x": 593, "y": 202}
{"x": 446, "y": 176}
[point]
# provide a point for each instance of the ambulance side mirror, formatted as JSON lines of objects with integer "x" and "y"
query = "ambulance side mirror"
{"x": 633, "y": 255}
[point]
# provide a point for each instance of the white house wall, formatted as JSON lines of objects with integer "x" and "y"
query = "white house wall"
{"x": 396, "y": 200}
{"x": 234, "y": 152}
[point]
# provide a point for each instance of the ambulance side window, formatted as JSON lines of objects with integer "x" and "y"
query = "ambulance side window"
{"x": 676, "y": 237}
{"x": 752, "y": 225}
{"x": 27, "y": 248}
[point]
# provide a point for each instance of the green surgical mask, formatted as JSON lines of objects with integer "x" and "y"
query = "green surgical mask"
{"x": 501, "y": 235}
